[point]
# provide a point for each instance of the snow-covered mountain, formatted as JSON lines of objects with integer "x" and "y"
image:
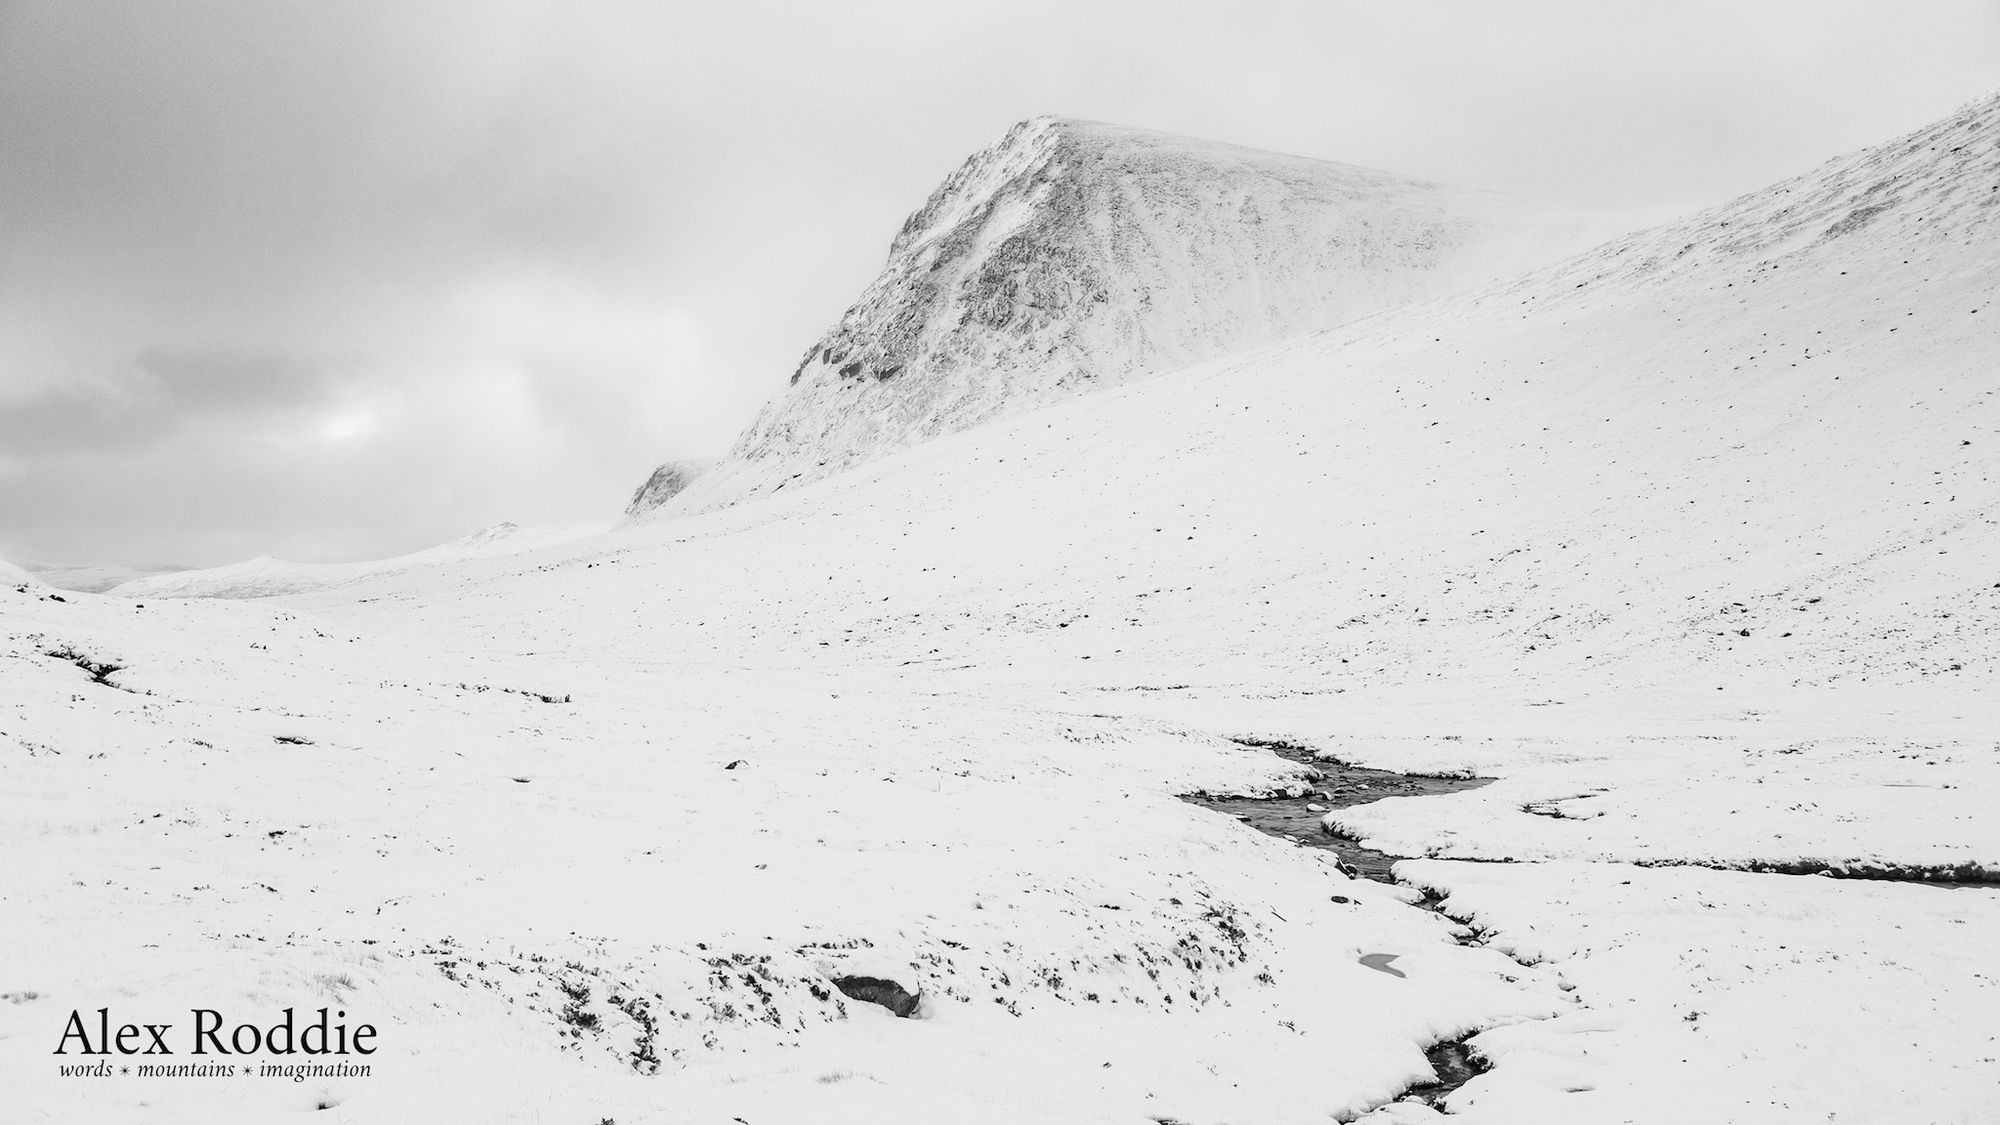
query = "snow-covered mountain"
{"x": 1075, "y": 255}
{"x": 266, "y": 577}
{"x": 1621, "y": 461}
{"x": 1751, "y": 450}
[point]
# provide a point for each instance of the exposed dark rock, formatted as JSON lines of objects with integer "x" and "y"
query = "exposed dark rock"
{"x": 666, "y": 483}
{"x": 875, "y": 990}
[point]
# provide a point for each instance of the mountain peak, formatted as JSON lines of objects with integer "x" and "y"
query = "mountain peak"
{"x": 1072, "y": 255}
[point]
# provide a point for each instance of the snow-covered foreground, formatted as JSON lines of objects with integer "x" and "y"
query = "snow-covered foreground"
{"x": 536, "y": 900}
{"x": 1689, "y": 541}
{"x": 261, "y": 810}
{"x": 1723, "y": 996}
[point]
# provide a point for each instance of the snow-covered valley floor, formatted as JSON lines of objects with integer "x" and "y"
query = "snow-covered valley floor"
{"x": 1688, "y": 542}
{"x": 542, "y": 903}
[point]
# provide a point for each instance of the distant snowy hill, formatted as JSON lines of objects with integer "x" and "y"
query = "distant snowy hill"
{"x": 1075, "y": 255}
{"x": 268, "y": 577}
{"x": 11, "y": 574}
{"x": 87, "y": 578}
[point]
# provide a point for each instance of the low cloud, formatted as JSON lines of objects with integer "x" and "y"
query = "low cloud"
{"x": 531, "y": 398}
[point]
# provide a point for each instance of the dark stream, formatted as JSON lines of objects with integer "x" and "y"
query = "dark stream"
{"x": 1340, "y": 786}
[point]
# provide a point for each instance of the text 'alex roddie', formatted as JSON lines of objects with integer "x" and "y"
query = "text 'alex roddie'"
{"x": 328, "y": 1035}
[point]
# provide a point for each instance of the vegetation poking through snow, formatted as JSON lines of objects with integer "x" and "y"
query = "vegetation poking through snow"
{"x": 100, "y": 670}
{"x": 543, "y": 697}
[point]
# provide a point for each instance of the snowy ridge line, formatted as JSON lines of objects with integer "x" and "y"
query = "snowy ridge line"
{"x": 1931, "y": 186}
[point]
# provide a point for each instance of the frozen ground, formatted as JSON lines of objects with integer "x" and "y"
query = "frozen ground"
{"x": 1689, "y": 542}
{"x": 260, "y": 808}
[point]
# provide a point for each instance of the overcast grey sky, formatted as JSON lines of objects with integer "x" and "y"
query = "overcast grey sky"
{"x": 335, "y": 280}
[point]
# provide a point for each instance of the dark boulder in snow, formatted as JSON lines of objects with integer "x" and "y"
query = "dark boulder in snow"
{"x": 875, "y": 990}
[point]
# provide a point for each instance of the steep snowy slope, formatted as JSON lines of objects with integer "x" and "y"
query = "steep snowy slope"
{"x": 1074, "y": 255}
{"x": 11, "y": 574}
{"x": 268, "y": 577}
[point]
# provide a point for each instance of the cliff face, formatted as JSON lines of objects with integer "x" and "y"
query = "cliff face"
{"x": 1075, "y": 255}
